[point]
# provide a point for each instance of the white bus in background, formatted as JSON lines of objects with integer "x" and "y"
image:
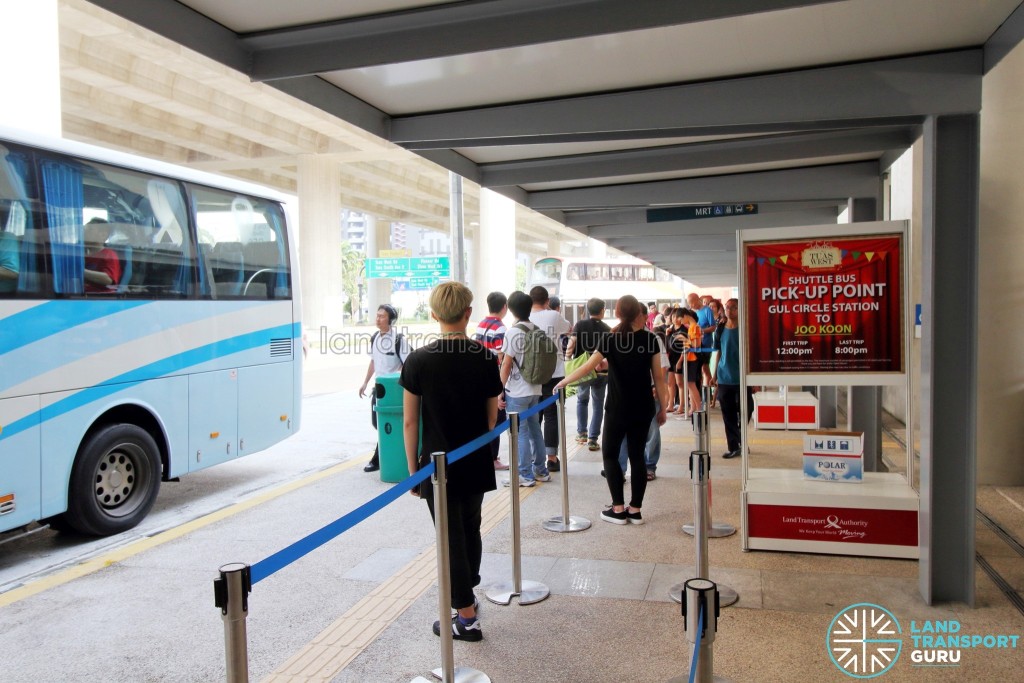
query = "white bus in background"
{"x": 577, "y": 280}
{"x": 189, "y": 356}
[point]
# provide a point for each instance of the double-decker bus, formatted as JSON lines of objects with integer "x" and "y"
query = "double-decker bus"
{"x": 577, "y": 280}
{"x": 149, "y": 327}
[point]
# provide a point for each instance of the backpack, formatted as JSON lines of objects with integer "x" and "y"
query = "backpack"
{"x": 540, "y": 355}
{"x": 398, "y": 344}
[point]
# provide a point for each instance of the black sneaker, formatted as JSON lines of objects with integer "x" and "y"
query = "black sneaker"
{"x": 371, "y": 466}
{"x": 634, "y": 517}
{"x": 476, "y": 606}
{"x": 554, "y": 465}
{"x": 610, "y": 515}
{"x": 471, "y": 632}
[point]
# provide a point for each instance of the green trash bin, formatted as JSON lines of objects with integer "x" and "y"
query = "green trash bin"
{"x": 390, "y": 437}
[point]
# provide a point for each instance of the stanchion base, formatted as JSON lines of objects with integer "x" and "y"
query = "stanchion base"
{"x": 462, "y": 675}
{"x": 685, "y": 678}
{"x": 718, "y": 530}
{"x": 726, "y": 596}
{"x": 558, "y": 524}
{"x": 531, "y": 592}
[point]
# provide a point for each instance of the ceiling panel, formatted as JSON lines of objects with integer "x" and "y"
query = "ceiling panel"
{"x": 593, "y": 111}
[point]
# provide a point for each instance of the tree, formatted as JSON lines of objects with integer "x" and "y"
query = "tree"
{"x": 352, "y": 265}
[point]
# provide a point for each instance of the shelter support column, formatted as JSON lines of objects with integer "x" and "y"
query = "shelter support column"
{"x": 948, "y": 405}
{"x": 495, "y": 248}
{"x": 378, "y": 236}
{"x": 319, "y": 186}
{"x": 32, "y": 84}
{"x": 864, "y": 404}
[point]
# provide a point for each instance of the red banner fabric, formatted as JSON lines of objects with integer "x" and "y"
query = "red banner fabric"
{"x": 829, "y": 306}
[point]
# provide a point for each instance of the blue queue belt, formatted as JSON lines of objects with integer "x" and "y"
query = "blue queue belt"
{"x": 284, "y": 557}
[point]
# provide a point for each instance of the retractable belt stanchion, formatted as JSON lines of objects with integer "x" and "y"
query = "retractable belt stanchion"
{"x": 700, "y": 470}
{"x": 231, "y": 594}
{"x": 529, "y": 592}
{"x": 564, "y": 523}
{"x": 702, "y": 430}
{"x": 700, "y": 621}
{"x": 448, "y": 673}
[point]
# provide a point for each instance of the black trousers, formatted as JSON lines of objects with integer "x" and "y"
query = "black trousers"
{"x": 549, "y": 417}
{"x": 465, "y": 547}
{"x": 496, "y": 443}
{"x": 729, "y": 399}
{"x": 373, "y": 419}
{"x": 635, "y": 434}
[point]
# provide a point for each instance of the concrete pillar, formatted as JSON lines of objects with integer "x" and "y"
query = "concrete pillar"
{"x": 319, "y": 237}
{"x": 864, "y": 404}
{"x": 458, "y": 228}
{"x": 554, "y": 247}
{"x": 949, "y": 401}
{"x": 30, "y": 66}
{"x": 596, "y": 248}
{"x": 378, "y": 236}
{"x": 494, "y": 263}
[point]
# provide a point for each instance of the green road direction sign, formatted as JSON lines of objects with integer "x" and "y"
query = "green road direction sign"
{"x": 427, "y": 266}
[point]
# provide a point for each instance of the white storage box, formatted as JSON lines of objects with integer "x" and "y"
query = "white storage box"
{"x": 834, "y": 456}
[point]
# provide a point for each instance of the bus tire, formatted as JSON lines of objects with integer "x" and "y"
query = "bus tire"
{"x": 115, "y": 480}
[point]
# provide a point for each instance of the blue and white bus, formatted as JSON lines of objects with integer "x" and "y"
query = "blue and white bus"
{"x": 149, "y": 327}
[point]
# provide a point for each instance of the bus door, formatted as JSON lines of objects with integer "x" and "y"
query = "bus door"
{"x": 19, "y": 462}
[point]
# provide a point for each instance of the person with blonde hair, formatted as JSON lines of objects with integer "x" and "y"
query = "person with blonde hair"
{"x": 634, "y": 364}
{"x": 452, "y": 383}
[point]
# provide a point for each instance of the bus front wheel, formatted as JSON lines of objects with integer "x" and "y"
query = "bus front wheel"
{"x": 114, "y": 481}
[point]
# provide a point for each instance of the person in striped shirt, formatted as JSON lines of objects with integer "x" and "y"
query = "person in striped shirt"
{"x": 491, "y": 333}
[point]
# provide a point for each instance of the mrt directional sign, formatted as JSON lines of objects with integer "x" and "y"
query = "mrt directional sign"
{"x": 427, "y": 266}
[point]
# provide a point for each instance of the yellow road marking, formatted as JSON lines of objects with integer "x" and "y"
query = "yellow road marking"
{"x": 95, "y": 564}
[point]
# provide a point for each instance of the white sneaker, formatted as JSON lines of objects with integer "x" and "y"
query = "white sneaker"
{"x": 542, "y": 477}
{"x": 523, "y": 483}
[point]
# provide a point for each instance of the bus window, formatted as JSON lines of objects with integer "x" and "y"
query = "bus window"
{"x": 574, "y": 271}
{"x": 645, "y": 273}
{"x": 243, "y": 246}
{"x": 622, "y": 273}
{"x": 597, "y": 271}
{"x": 19, "y": 267}
{"x": 114, "y": 231}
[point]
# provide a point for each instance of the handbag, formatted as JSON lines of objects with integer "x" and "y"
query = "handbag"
{"x": 574, "y": 364}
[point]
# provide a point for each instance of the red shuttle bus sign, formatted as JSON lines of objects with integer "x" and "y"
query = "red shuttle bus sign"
{"x": 826, "y": 306}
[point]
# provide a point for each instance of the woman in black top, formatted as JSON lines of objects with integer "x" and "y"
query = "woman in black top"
{"x": 453, "y": 383}
{"x": 634, "y": 365}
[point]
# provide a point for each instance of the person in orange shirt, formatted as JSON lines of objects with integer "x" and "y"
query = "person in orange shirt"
{"x": 691, "y": 340}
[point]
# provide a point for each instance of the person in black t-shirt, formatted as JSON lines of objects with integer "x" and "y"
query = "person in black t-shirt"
{"x": 585, "y": 337}
{"x": 453, "y": 383}
{"x": 633, "y": 355}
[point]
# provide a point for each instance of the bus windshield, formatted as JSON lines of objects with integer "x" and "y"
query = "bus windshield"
{"x": 547, "y": 271}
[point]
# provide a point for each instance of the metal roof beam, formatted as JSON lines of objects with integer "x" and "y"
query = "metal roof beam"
{"x": 835, "y": 182}
{"x": 726, "y": 225}
{"x": 457, "y": 28}
{"x": 589, "y": 220}
{"x": 876, "y": 92}
{"x": 181, "y": 24}
{"x": 717, "y": 154}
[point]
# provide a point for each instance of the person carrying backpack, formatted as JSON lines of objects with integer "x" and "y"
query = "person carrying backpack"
{"x": 528, "y": 357}
{"x": 555, "y": 327}
{"x": 388, "y": 351}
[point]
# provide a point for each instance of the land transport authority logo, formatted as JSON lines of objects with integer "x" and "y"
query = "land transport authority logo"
{"x": 864, "y": 640}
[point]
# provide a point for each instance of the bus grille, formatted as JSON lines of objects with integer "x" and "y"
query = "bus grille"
{"x": 280, "y": 348}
